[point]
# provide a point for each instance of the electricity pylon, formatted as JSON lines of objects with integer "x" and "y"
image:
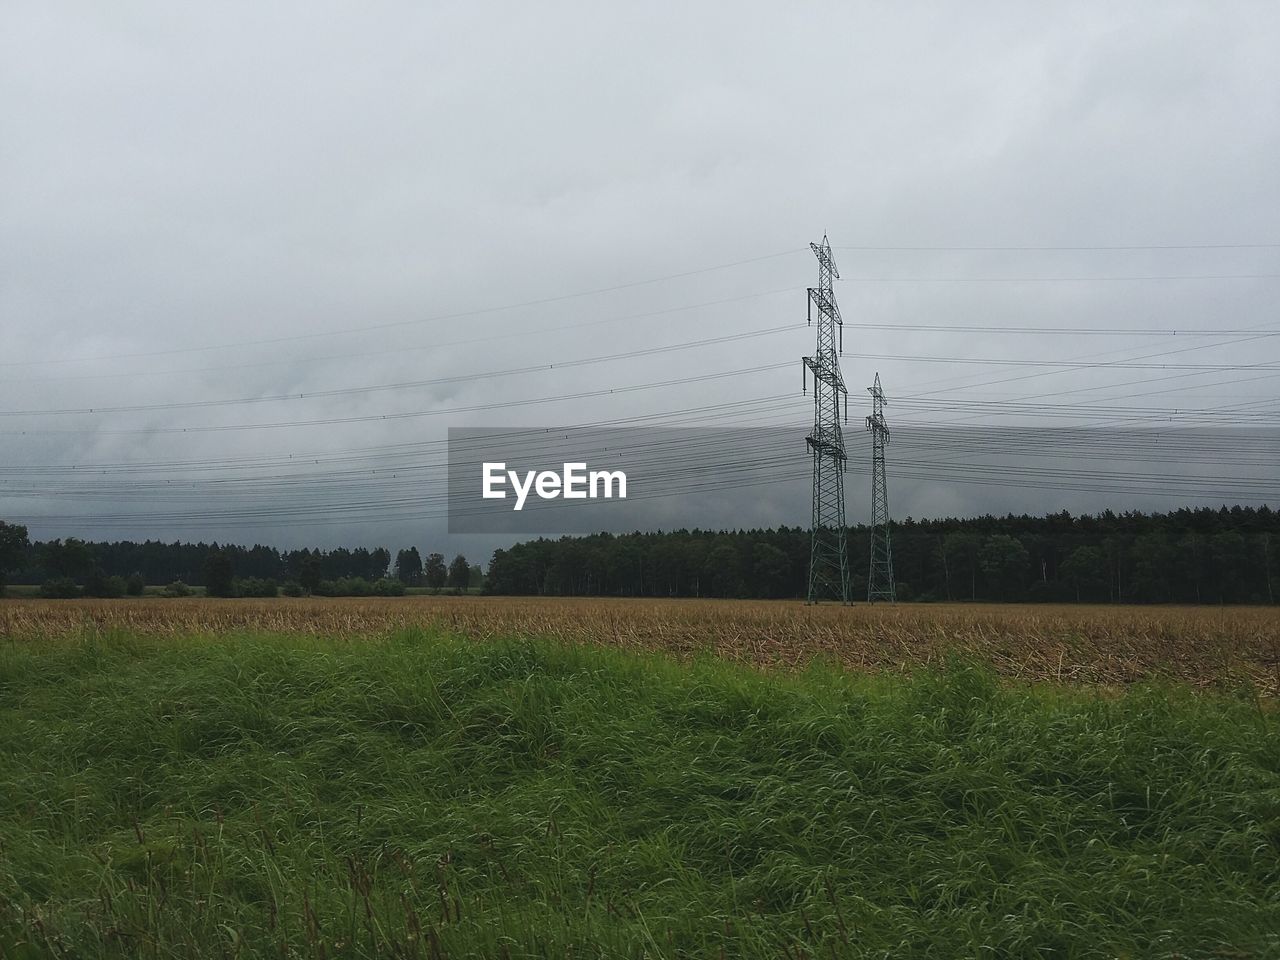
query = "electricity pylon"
{"x": 880, "y": 578}
{"x": 828, "y": 552}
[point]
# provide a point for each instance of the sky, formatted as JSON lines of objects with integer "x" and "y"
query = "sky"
{"x": 256, "y": 259}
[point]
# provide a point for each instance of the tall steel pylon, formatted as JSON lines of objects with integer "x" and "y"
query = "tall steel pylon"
{"x": 880, "y": 578}
{"x": 828, "y": 552}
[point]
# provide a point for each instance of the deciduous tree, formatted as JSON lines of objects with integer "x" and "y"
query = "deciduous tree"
{"x": 409, "y": 567}
{"x": 434, "y": 572}
{"x": 13, "y": 548}
{"x": 219, "y": 575}
{"x": 460, "y": 573}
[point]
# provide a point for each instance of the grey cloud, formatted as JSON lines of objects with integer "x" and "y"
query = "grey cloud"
{"x": 179, "y": 177}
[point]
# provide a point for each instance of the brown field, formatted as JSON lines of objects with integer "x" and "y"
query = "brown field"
{"x": 1075, "y": 644}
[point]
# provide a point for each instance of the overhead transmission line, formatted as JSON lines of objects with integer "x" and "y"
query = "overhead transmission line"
{"x": 1132, "y": 364}
{"x": 354, "y": 482}
{"x": 413, "y": 414}
{"x": 1073, "y": 249}
{"x": 410, "y": 507}
{"x": 401, "y": 349}
{"x": 1058, "y": 331}
{"x": 455, "y": 315}
{"x": 561, "y": 298}
{"x": 1066, "y": 279}
{"x": 1262, "y": 332}
{"x": 405, "y": 384}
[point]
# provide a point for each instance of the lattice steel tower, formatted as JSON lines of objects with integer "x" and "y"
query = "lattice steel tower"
{"x": 880, "y": 578}
{"x": 828, "y": 552}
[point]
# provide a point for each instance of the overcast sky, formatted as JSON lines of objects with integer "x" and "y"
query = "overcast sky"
{"x": 239, "y": 201}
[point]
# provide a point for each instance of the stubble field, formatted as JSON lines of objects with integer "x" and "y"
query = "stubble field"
{"x": 1078, "y": 644}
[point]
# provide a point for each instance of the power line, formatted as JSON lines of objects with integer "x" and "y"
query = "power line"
{"x": 1077, "y": 279}
{"x": 403, "y": 385}
{"x": 686, "y": 450}
{"x": 1073, "y": 365}
{"x": 1077, "y": 249}
{"x": 684, "y": 461}
{"x": 387, "y": 481}
{"x": 347, "y": 356}
{"x": 1061, "y": 331}
{"x": 1255, "y": 335}
{"x": 683, "y": 415}
{"x": 630, "y": 354}
{"x": 413, "y": 414}
{"x": 459, "y": 315}
{"x": 409, "y": 507}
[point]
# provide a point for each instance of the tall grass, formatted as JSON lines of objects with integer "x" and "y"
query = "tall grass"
{"x": 425, "y": 796}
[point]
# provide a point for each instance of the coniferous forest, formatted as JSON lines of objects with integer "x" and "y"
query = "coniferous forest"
{"x": 1227, "y": 555}
{"x": 1203, "y": 556}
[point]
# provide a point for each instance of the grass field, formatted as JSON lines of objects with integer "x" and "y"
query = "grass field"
{"x": 438, "y": 778}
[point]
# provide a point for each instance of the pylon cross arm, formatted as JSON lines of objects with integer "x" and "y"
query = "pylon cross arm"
{"x": 825, "y": 303}
{"x": 823, "y": 253}
{"x": 825, "y": 372}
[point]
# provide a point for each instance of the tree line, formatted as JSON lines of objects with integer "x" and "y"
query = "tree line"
{"x": 1226, "y": 555}
{"x": 74, "y": 567}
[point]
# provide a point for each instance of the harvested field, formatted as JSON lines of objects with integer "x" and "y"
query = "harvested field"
{"x": 1107, "y": 645}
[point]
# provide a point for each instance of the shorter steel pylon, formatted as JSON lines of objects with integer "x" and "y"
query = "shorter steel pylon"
{"x": 880, "y": 577}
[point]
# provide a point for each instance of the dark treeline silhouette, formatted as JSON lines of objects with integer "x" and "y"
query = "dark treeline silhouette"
{"x": 165, "y": 562}
{"x": 71, "y": 567}
{"x": 1227, "y": 555}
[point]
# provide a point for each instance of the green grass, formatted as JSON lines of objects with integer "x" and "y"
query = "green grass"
{"x": 20, "y": 590}
{"x": 427, "y": 796}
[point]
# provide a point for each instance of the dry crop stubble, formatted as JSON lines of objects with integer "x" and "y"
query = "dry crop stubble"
{"x": 1073, "y": 644}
